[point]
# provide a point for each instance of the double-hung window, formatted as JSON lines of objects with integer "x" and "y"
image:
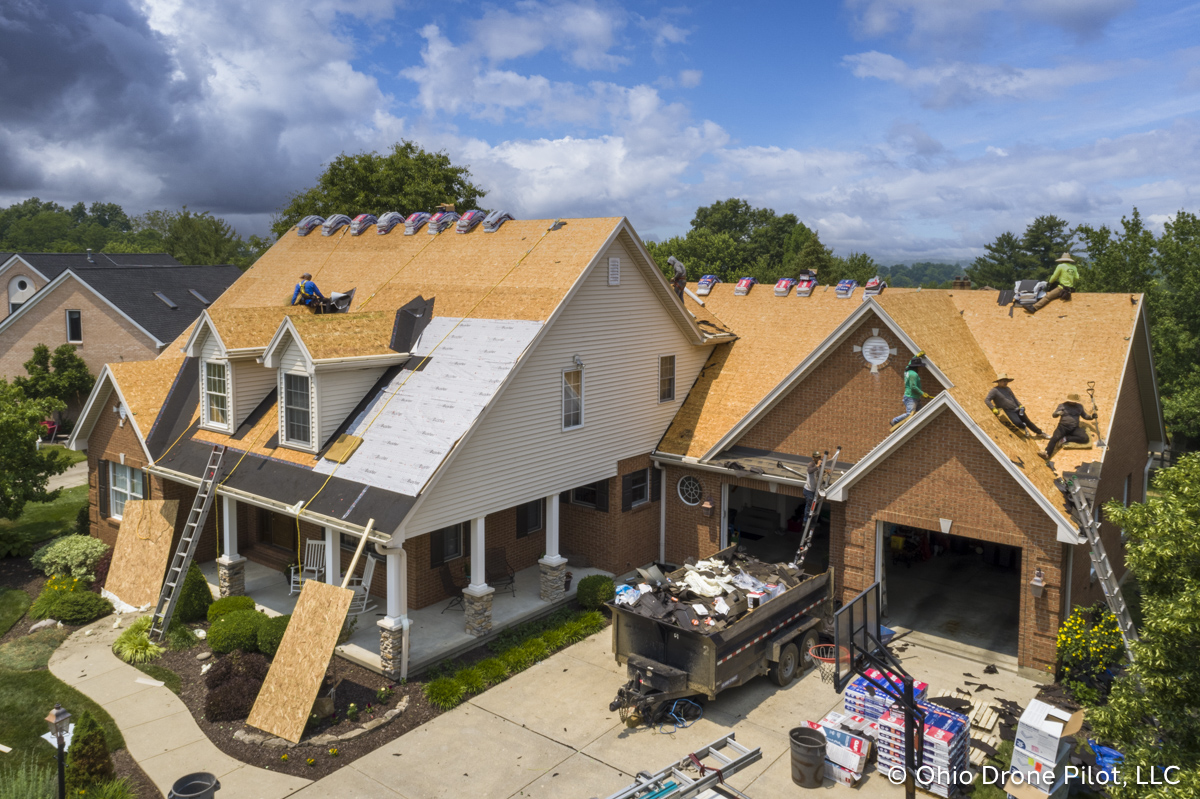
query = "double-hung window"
{"x": 125, "y": 483}
{"x": 572, "y": 399}
{"x": 666, "y": 378}
{"x": 446, "y": 544}
{"x": 297, "y": 410}
{"x": 216, "y": 396}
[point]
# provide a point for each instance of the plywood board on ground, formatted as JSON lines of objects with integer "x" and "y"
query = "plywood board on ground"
{"x": 143, "y": 548}
{"x": 286, "y": 699}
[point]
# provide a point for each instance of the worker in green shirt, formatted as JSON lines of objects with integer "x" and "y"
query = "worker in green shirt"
{"x": 1062, "y": 283}
{"x": 912, "y": 389}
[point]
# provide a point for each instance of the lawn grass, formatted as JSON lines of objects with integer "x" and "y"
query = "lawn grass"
{"x": 161, "y": 673}
{"x": 71, "y": 456}
{"x": 13, "y": 604}
{"x": 31, "y": 652}
{"x": 25, "y": 699}
{"x": 45, "y": 520}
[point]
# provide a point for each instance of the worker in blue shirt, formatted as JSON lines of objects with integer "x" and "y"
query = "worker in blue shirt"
{"x": 306, "y": 292}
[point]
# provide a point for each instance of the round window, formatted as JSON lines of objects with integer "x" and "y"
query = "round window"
{"x": 22, "y": 285}
{"x": 690, "y": 490}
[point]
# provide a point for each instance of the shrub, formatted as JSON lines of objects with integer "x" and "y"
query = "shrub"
{"x": 72, "y": 555}
{"x": 1089, "y": 643}
{"x": 83, "y": 521}
{"x": 102, "y": 567}
{"x": 88, "y": 760}
{"x": 134, "y": 645}
{"x": 81, "y": 607}
{"x": 251, "y": 666}
{"x": 471, "y": 679}
{"x": 235, "y": 630}
{"x": 555, "y": 639}
{"x": 114, "y": 789}
{"x": 232, "y": 700}
{"x": 28, "y": 779}
{"x": 594, "y": 590}
{"x": 492, "y": 670}
{"x": 271, "y": 633}
{"x": 195, "y": 598}
{"x": 180, "y": 636}
{"x": 54, "y": 589}
{"x": 227, "y": 604}
{"x": 515, "y": 660}
{"x": 444, "y": 692}
{"x": 13, "y": 544}
{"x": 535, "y": 649}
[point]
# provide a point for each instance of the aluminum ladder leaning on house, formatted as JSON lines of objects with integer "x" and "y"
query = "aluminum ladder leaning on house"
{"x": 173, "y": 583}
{"x": 1100, "y": 562}
{"x": 674, "y": 782}
{"x": 818, "y": 500}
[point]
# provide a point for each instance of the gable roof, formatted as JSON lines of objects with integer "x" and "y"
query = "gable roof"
{"x": 52, "y": 264}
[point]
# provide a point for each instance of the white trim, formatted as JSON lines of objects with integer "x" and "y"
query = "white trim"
{"x": 67, "y": 321}
{"x": 112, "y": 483}
{"x": 291, "y": 443}
{"x": 679, "y": 490}
{"x": 563, "y": 397}
{"x": 815, "y": 359}
{"x": 58, "y": 281}
{"x": 191, "y": 346}
{"x": 683, "y": 317}
{"x": 205, "y": 422}
{"x": 273, "y": 352}
{"x": 1068, "y": 533}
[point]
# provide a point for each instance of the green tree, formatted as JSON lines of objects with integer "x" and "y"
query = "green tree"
{"x": 88, "y": 759}
{"x": 24, "y": 469}
{"x": 856, "y": 266}
{"x": 1176, "y": 325}
{"x": 191, "y": 238}
{"x": 763, "y": 235}
{"x": 62, "y": 376}
{"x": 406, "y": 179}
{"x": 1151, "y": 712}
{"x": 1004, "y": 264}
{"x": 1119, "y": 262}
{"x": 703, "y": 252}
{"x": 1045, "y": 240}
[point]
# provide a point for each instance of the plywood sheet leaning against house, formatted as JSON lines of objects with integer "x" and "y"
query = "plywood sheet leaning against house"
{"x": 143, "y": 548}
{"x": 286, "y": 699}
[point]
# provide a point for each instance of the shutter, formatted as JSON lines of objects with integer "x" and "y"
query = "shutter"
{"x": 655, "y": 484}
{"x": 437, "y": 548}
{"x": 146, "y": 485}
{"x": 522, "y": 520}
{"x": 626, "y": 492}
{"x": 102, "y": 488}
{"x": 602, "y": 496}
{"x": 564, "y": 497}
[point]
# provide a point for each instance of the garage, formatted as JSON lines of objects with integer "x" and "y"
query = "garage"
{"x": 768, "y": 525}
{"x": 951, "y": 587}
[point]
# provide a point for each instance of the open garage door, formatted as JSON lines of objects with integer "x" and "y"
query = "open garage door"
{"x": 951, "y": 587}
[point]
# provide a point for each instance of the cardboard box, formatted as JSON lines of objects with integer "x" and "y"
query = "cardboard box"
{"x": 1026, "y": 791}
{"x": 844, "y": 748}
{"x": 1040, "y": 771}
{"x": 1042, "y": 727}
{"x": 841, "y": 775}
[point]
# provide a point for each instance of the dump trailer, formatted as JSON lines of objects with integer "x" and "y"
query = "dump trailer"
{"x": 666, "y": 662}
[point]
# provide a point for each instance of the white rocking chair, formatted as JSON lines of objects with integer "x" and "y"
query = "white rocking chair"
{"x": 313, "y": 567}
{"x": 361, "y": 586}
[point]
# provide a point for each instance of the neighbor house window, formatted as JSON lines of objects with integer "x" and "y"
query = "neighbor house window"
{"x": 572, "y": 399}
{"x": 297, "y": 409}
{"x": 666, "y": 378}
{"x": 216, "y": 398}
{"x": 529, "y": 518}
{"x": 585, "y": 495}
{"x": 125, "y": 483}
{"x": 635, "y": 489}
{"x": 74, "y": 327}
{"x": 446, "y": 544}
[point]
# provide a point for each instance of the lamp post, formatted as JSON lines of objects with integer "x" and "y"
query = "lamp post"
{"x": 60, "y": 723}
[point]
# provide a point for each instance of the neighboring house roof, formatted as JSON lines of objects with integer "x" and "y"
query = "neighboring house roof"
{"x": 52, "y": 264}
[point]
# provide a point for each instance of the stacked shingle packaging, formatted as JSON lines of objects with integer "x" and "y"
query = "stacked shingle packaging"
{"x": 944, "y": 767}
{"x": 864, "y": 699}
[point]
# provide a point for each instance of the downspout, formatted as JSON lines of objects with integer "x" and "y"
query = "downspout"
{"x": 1146, "y": 477}
{"x": 662, "y": 513}
{"x": 402, "y": 591}
{"x": 1070, "y": 578}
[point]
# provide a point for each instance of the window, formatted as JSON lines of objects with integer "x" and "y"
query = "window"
{"x": 572, "y": 400}
{"x": 446, "y": 544}
{"x": 74, "y": 327}
{"x": 216, "y": 399}
{"x": 529, "y": 518}
{"x": 166, "y": 300}
{"x": 297, "y": 409}
{"x": 690, "y": 490}
{"x": 125, "y": 483}
{"x": 666, "y": 378}
{"x": 635, "y": 489}
{"x": 593, "y": 495}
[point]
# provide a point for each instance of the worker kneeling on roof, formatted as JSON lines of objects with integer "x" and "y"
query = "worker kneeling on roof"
{"x": 912, "y": 389}
{"x": 1002, "y": 400}
{"x": 1062, "y": 283}
{"x": 307, "y": 293}
{"x": 1068, "y": 414}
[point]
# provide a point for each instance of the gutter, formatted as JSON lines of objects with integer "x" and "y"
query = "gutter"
{"x": 705, "y": 467}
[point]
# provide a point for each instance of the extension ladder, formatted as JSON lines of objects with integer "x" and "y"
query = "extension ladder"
{"x": 674, "y": 782}
{"x": 1100, "y": 562}
{"x": 814, "y": 509}
{"x": 173, "y": 583}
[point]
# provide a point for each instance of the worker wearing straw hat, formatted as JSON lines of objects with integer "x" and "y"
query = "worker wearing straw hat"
{"x": 1068, "y": 414}
{"x": 1062, "y": 282}
{"x": 1002, "y": 400}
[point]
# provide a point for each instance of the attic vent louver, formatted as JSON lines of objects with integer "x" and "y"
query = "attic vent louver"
{"x": 308, "y": 224}
{"x": 361, "y": 223}
{"x": 614, "y": 271}
{"x": 388, "y": 221}
{"x": 494, "y": 220}
{"x": 415, "y": 222}
{"x": 468, "y": 221}
{"x": 200, "y": 296}
{"x": 440, "y": 221}
{"x": 166, "y": 300}
{"x": 334, "y": 223}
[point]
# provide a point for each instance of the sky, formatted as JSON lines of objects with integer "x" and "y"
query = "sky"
{"x": 907, "y": 129}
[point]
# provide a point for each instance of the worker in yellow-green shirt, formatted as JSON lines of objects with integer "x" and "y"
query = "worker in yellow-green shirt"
{"x": 1062, "y": 283}
{"x": 912, "y": 389}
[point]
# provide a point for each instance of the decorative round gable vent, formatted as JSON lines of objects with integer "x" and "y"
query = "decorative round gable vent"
{"x": 875, "y": 350}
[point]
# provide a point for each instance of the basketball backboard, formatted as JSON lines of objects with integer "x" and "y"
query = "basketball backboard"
{"x": 856, "y": 635}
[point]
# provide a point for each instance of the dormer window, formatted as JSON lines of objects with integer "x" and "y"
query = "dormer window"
{"x": 297, "y": 410}
{"x": 216, "y": 395}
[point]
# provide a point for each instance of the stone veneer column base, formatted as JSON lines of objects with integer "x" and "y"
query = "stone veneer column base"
{"x": 478, "y": 612}
{"x": 391, "y": 643}
{"x": 553, "y": 577}
{"x": 231, "y": 575}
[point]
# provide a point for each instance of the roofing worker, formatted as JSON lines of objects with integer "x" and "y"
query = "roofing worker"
{"x": 912, "y": 389}
{"x": 1062, "y": 282}
{"x": 306, "y": 292}
{"x": 810, "y": 484}
{"x": 1068, "y": 414}
{"x": 679, "y": 281}
{"x": 1001, "y": 398}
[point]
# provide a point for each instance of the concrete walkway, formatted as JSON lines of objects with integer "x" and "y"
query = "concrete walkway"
{"x": 75, "y": 475}
{"x": 159, "y": 730}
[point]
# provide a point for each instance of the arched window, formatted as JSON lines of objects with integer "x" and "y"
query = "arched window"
{"x": 20, "y": 289}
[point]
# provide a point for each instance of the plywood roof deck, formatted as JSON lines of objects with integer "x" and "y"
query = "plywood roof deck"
{"x": 145, "y": 385}
{"x": 346, "y": 335}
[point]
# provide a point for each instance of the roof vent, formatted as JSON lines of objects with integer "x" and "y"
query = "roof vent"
{"x": 388, "y": 221}
{"x": 743, "y": 286}
{"x": 308, "y": 224}
{"x": 411, "y": 321}
{"x": 166, "y": 300}
{"x": 468, "y": 221}
{"x": 440, "y": 221}
{"x": 415, "y": 222}
{"x": 361, "y": 223}
{"x": 334, "y": 223}
{"x": 494, "y": 220}
{"x": 874, "y": 287}
{"x": 200, "y": 296}
{"x": 704, "y": 287}
{"x": 784, "y": 285}
{"x": 614, "y": 271}
{"x": 806, "y": 281}
{"x": 845, "y": 289}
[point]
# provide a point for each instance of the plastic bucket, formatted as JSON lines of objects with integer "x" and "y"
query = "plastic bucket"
{"x": 200, "y": 785}
{"x": 808, "y": 757}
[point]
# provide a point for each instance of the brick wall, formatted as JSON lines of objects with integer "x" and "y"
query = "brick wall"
{"x": 614, "y": 540}
{"x": 690, "y": 531}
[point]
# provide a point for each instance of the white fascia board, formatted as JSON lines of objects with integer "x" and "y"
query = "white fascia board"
{"x": 359, "y": 361}
{"x": 270, "y": 357}
{"x": 17, "y": 259}
{"x": 815, "y": 359}
{"x": 58, "y": 281}
{"x": 82, "y": 427}
{"x": 191, "y": 348}
{"x": 674, "y": 460}
{"x": 1068, "y": 532}
{"x": 660, "y": 286}
{"x": 106, "y": 374}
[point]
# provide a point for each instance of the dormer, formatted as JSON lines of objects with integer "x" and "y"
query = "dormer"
{"x": 232, "y": 382}
{"x": 324, "y": 367}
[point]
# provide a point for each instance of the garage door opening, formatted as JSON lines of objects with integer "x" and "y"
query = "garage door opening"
{"x": 951, "y": 587}
{"x": 769, "y": 527}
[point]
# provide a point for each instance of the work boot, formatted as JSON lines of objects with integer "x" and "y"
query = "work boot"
{"x": 1045, "y": 436}
{"x": 1044, "y": 456}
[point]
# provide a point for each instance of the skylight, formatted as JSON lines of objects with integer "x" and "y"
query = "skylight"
{"x": 198, "y": 296}
{"x": 166, "y": 300}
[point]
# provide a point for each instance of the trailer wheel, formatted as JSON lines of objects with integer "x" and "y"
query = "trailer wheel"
{"x": 783, "y": 672}
{"x": 810, "y": 639}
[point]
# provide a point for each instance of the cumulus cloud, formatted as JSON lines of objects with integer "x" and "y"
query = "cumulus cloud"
{"x": 583, "y": 31}
{"x": 939, "y": 22}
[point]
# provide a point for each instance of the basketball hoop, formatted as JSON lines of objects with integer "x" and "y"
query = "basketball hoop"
{"x": 826, "y": 657}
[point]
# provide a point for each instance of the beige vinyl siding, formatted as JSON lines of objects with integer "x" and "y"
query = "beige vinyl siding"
{"x": 210, "y": 348}
{"x": 519, "y": 452}
{"x": 211, "y": 351}
{"x": 337, "y": 394}
{"x": 252, "y": 382}
{"x": 292, "y": 361}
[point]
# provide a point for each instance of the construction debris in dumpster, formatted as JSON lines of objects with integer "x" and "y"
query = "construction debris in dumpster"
{"x": 709, "y": 595}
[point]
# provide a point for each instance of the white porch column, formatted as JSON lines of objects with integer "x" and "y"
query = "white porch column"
{"x": 477, "y": 597}
{"x": 553, "y": 566}
{"x": 393, "y": 628}
{"x": 229, "y": 517}
{"x": 333, "y": 557}
{"x": 231, "y": 567}
{"x": 397, "y": 585}
{"x": 478, "y": 566}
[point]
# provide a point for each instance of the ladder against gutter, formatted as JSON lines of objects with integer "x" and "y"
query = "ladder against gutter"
{"x": 173, "y": 583}
{"x": 683, "y": 780}
{"x": 1100, "y": 562}
{"x": 814, "y": 509}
